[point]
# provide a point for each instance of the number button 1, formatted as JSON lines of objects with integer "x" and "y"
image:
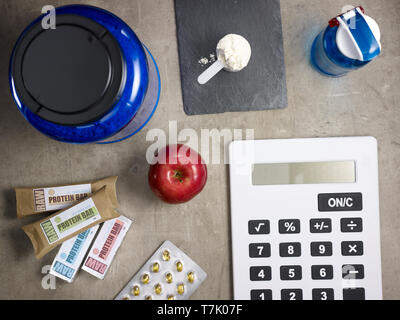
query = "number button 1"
{"x": 261, "y": 294}
{"x": 262, "y": 273}
{"x": 290, "y": 249}
{"x": 291, "y": 273}
{"x": 258, "y": 227}
{"x": 289, "y": 226}
{"x": 291, "y": 294}
{"x": 321, "y": 249}
{"x": 322, "y": 294}
{"x": 259, "y": 250}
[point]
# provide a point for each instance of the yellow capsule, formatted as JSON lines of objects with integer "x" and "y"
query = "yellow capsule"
{"x": 148, "y": 297}
{"x": 179, "y": 266}
{"x": 156, "y": 267}
{"x": 190, "y": 276}
{"x": 171, "y": 297}
{"x": 145, "y": 278}
{"x": 168, "y": 277}
{"x": 180, "y": 288}
{"x": 165, "y": 255}
{"x": 136, "y": 290}
{"x": 158, "y": 288}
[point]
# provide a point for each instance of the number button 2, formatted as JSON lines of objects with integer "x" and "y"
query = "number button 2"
{"x": 291, "y": 273}
{"x": 259, "y": 250}
{"x": 290, "y": 249}
{"x": 291, "y": 294}
{"x": 258, "y": 227}
{"x": 262, "y": 273}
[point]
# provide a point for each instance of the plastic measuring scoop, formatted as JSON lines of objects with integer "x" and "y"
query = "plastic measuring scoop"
{"x": 210, "y": 72}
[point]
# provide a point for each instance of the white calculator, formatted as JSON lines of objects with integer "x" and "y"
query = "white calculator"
{"x": 305, "y": 219}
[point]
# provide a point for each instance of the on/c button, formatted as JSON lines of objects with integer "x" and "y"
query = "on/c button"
{"x": 340, "y": 201}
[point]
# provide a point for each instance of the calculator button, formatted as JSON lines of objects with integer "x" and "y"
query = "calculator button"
{"x": 259, "y": 250}
{"x": 261, "y": 294}
{"x": 351, "y": 225}
{"x": 290, "y": 249}
{"x": 289, "y": 226}
{"x": 260, "y": 273}
{"x": 291, "y": 294}
{"x": 320, "y": 249}
{"x": 352, "y": 248}
{"x": 320, "y": 225}
{"x": 324, "y": 272}
{"x": 340, "y": 202}
{"x": 354, "y": 294}
{"x": 323, "y": 294}
{"x": 258, "y": 227}
{"x": 291, "y": 273}
{"x": 353, "y": 271}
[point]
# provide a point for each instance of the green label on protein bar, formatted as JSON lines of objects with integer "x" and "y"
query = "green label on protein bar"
{"x": 49, "y": 231}
{"x": 70, "y": 221}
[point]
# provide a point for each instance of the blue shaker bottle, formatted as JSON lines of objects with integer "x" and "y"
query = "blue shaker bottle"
{"x": 351, "y": 41}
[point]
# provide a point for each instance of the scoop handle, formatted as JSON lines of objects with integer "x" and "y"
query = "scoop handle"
{"x": 210, "y": 72}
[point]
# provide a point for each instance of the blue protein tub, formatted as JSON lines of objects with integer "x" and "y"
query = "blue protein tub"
{"x": 88, "y": 80}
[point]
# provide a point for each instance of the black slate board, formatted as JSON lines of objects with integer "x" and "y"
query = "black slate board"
{"x": 259, "y": 86}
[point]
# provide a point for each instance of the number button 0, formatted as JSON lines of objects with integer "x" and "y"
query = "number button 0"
{"x": 291, "y": 294}
{"x": 259, "y": 250}
{"x": 262, "y": 273}
{"x": 290, "y": 249}
{"x": 261, "y": 294}
{"x": 324, "y": 272}
{"x": 291, "y": 273}
{"x": 258, "y": 227}
{"x": 322, "y": 294}
{"x": 321, "y": 249}
{"x": 289, "y": 226}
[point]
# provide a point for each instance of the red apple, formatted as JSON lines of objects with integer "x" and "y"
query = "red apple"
{"x": 178, "y": 175}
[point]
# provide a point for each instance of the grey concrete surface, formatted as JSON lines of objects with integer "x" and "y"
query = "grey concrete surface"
{"x": 365, "y": 102}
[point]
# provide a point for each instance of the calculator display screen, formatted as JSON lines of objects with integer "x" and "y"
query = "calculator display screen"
{"x": 304, "y": 173}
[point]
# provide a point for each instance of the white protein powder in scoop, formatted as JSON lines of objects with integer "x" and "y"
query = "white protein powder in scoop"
{"x": 234, "y": 52}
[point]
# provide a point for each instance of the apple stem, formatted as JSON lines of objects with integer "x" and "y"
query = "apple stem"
{"x": 178, "y": 176}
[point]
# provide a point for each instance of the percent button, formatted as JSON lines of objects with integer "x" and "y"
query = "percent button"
{"x": 289, "y": 226}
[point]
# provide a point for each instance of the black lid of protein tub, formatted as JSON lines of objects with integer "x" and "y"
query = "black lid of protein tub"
{"x": 70, "y": 75}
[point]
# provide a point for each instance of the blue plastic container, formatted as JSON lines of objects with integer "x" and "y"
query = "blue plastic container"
{"x": 89, "y": 80}
{"x": 351, "y": 41}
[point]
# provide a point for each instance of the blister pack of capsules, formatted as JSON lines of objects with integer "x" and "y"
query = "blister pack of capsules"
{"x": 168, "y": 275}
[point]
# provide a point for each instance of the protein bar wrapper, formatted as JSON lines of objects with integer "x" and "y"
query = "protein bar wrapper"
{"x": 71, "y": 254}
{"x": 37, "y": 200}
{"x": 105, "y": 246}
{"x": 48, "y": 233}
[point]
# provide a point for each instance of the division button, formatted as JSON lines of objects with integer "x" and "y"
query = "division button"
{"x": 351, "y": 225}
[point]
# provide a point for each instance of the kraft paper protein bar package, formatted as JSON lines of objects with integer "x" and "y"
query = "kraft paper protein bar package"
{"x": 71, "y": 254}
{"x": 49, "y": 232}
{"x": 168, "y": 275}
{"x": 45, "y": 199}
{"x": 105, "y": 246}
